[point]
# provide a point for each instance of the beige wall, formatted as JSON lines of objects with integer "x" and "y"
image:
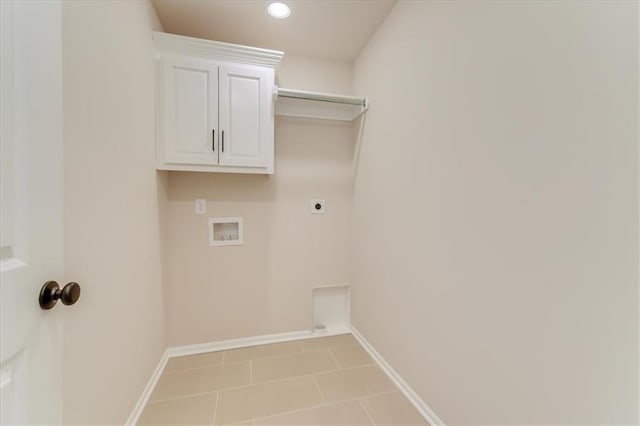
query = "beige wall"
{"x": 264, "y": 286}
{"x": 496, "y": 208}
{"x": 317, "y": 75}
{"x": 114, "y": 336}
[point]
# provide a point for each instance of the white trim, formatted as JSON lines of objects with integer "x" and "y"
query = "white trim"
{"x": 244, "y": 342}
{"x": 148, "y": 390}
{"x": 216, "y": 50}
{"x": 422, "y": 407}
{"x": 161, "y": 165}
{"x": 323, "y": 106}
{"x": 319, "y": 96}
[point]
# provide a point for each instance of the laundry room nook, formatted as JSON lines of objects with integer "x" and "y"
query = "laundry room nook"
{"x": 319, "y": 212}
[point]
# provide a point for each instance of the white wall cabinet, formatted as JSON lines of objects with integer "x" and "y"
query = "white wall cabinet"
{"x": 190, "y": 111}
{"x": 215, "y": 106}
{"x": 246, "y": 116}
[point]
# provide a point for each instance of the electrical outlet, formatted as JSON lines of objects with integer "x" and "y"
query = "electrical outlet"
{"x": 318, "y": 206}
{"x": 201, "y": 206}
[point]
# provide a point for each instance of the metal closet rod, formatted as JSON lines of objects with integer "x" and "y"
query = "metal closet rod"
{"x": 322, "y": 97}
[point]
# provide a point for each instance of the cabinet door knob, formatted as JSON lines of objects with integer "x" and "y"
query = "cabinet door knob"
{"x": 51, "y": 292}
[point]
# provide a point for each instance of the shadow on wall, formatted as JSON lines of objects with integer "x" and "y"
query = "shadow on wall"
{"x": 311, "y": 155}
{"x": 222, "y": 187}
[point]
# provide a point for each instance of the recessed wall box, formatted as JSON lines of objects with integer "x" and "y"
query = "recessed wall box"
{"x": 331, "y": 309}
{"x": 225, "y": 231}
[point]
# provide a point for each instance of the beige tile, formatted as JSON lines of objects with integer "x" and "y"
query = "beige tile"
{"x": 392, "y": 409}
{"x": 262, "y": 351}
{"x": 194, "y": 410}
{"x": 281, "y": 367}
{"x": 237, "y": 405}
{"x": 344, "y": 413}
{"x": 353, "y": 383}
{"x": 329, "y": 342}
{"x": 190, "y": 382}
{"x": 351, "y": 356}
{"x": 194, "y": 361}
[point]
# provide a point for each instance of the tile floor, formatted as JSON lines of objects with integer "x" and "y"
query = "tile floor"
{"x": 320, "y": 381}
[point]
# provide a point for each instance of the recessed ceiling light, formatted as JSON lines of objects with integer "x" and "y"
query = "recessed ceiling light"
{"x": 278, "y": 10}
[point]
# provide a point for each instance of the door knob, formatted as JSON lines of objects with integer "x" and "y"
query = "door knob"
{"x": 51, "y": 292}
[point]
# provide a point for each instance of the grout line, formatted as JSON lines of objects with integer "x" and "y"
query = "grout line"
{"x": 331, "y": 347}
{"x": 378, "y": 394}
{"x": 366, "y": 411}
{"x": 251, "y": 372}
{"x": 264, "y": 357}
{"x": 324, "y": 401}
{"x": 215, "y": 408}
{"x": 328, "y": 349}
{"x": 297, "y": 410}
{"x": 267, "y": 382}
{"x": 280, "y": 380}
{"x": 334, "y": 358}
{"x": 342, "y": 369}
{"x": 224, "y": 357}
{"x": 311, "y": 339}
{"x": 312, "y": 407}
{"x": 330, "y": 404}
{"x": 335, "y": 370}
{"x": 197, "y": 368}
{"x": 173, "y": 398}
{"x": 276, "y": 381}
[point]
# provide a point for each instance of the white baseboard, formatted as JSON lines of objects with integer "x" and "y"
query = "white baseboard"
{"x": 422, "y": 407}
{"x": 146, "y": 393}
{"x": 244, "y": 342}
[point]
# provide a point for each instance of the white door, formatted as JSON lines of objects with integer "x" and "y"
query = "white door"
{"x": 31, "y": 210}
{"x": 190, "y": 105}
{"x": 246, "y": 116}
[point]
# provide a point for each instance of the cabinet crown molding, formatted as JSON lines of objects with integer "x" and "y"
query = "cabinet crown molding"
{"x": 209, "y": 49}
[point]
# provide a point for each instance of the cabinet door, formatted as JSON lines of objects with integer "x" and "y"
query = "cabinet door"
{"x": 246, "y": 117}
{"x": 190, "y": 111}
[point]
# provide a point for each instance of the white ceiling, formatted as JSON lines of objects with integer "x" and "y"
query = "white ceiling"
{"x": 329, "y": 29}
